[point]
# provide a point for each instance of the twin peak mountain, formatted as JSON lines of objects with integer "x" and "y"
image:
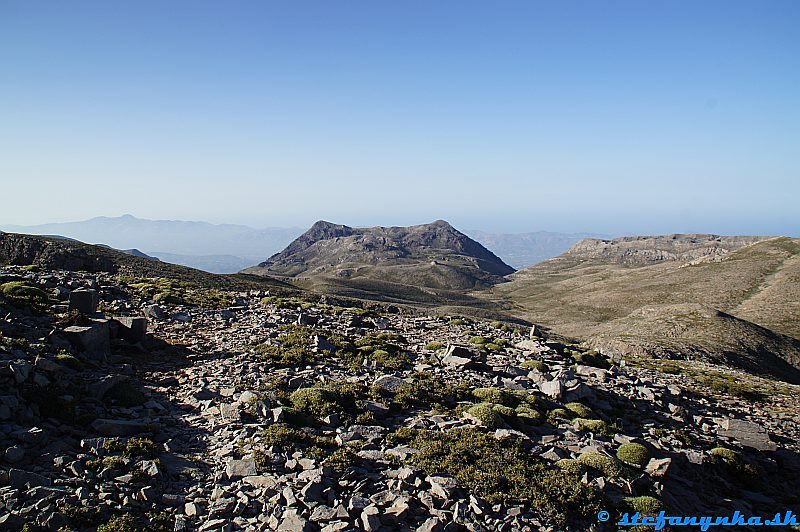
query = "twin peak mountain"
{"x": 434, "y": 255}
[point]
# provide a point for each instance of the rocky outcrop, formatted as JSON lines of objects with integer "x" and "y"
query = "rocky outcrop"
{"x": 643, "y": 250}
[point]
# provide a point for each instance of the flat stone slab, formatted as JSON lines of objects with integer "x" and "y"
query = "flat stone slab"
{"x": 747, "y": 433}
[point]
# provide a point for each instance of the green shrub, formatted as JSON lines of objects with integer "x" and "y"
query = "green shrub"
{"x": 121, "y": 523}
{"x": 81, "y": 516}
{"x": 62, "y": 357}
{"x": 434, "y": 346}
{"x": 557, "y": 414}
{"x": 343, "y": 398}
{"x": 643, "y": 504}
{"x": 729, "y": 455}
{"x": 535, "y": 364}
{"x": 501, "y": 470}
{"x": 591, "y": 359}
{"x": 23, "y": 294}
{"x": 486, "y": 415}
{"x": 429, "y": 391}
{"x": 633, "y": 453}
{"x": 572, "y": 466}
{"x": 528, "y": 415}
{"x": 174, "y": 292}
{"x": 597, "y": 426}
{"x": 293, "y": 348}
{"x": 291, "y": 439}
{"x": 478, "y": 340}
{"x": 580, "y": 410}
{"x": 608, "y": 466}
{"x": 341, "y": 459}
{"x": 140, "y": 448}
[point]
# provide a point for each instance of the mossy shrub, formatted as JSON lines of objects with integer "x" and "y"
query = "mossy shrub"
{"x": 608, "y": 466}
{"x": 429, "y": 391}
{"x": 434, "y": 346}
{"x": 572, "y": 466}
{"x": 634, "y": 454}
{"x": 69, "y": 360}
{"x": 23, "y": 294}
{"x": 137, "y": 447}
{"x": 556, "y": 415}
{"x": 580, "y": 410}
{"x": 536, "y": 364}
{"x": 487, "y": 415}
{"x": 290, "y": 439}
{"x": 125, "y": 394}
{"x": 643, "y": 504}
{"x": 596, "y": 426}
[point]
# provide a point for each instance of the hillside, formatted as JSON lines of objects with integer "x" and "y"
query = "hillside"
{"x": 598, "y": 289}
{"x": 53, "y": 253}
{"x": 431, "y": 263}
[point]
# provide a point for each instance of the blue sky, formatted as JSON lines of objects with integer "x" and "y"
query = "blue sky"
{"x": 616, "y": 117}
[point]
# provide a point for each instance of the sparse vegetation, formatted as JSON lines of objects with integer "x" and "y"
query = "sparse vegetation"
{"x": 502, "y": 470}
{"x": 293, "y": 348}
{"x": 175, "y": 292}
{"x": 291, "y": 438}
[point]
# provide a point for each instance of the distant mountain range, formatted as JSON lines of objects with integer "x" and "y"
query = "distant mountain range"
{"x": 229, "y": 248}
{"x": 225, "y": 248}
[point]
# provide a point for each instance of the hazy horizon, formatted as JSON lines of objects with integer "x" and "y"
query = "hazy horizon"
{"x": 625, "y": 118}
{"x": 794, "y": 233}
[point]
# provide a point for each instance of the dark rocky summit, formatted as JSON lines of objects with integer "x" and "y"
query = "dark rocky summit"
{"x": 433, "y": 255}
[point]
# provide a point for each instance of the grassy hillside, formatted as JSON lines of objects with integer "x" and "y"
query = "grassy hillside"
{"x": 649, "y": 306}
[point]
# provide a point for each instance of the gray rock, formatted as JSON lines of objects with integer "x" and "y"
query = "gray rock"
{"x": 14, "y": 454}
{"x": 132, "y": 329}
{"x": 94, "y": 340}
{"x": 20, "y": 479}
{"x": 84, "y": 301}
{"x": 747, "y": 434}
{"x": 370, "y": 518}
{"x": 389, "y": 382}
{"x": 657, "y": 467}
{"x": 461, "y": 357}
{"x": 153, "y": 312}
{"x": 441, "y": 486}
{"x": 240, "y": 468}
{"x": 553, "y": 388}
{"x": 293, "y": 522}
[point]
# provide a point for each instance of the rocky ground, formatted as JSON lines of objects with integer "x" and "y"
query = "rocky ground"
{"x": 240, "y": 411}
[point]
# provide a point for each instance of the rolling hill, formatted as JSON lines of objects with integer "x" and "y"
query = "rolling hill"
{"x": 734, "y": 299}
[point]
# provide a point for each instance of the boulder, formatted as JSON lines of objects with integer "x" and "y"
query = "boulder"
{"x": 84, "y": 301}
{"x": 94, "y": 340}
{"x": 131, "y": 329}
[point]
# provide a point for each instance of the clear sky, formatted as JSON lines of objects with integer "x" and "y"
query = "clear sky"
{"x": 613, "y": 116}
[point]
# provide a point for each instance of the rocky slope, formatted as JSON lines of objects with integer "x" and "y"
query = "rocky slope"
{"x": 55, "y": 253}
{"x": 610, "y": 292}
{"x": 240, "y": 412}
{"x": 432, "y": 256}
